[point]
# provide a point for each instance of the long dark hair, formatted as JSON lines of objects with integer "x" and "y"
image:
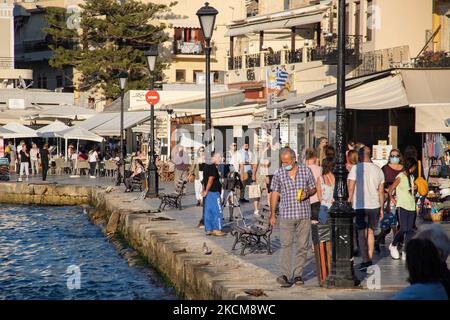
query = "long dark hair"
{"x": 409, "y": 164}
{"x": 423, "y": 261}
{"x": 327, "y": 165}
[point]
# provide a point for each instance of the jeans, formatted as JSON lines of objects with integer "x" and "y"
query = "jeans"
{"x": 293, "y": 230}
{"x": 213, "y": 212}
{"x": 24, "y": 168}
{"x": 35, "y": 166}
{"x": 93, "y": 165}
{"x": 44, "y": 170}
{"x": 406, "y": 226}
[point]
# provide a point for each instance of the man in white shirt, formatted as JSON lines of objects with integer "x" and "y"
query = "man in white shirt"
{"x": 245, "y": 160}
{"x": 232, "y": 158}
{"x": 366, "y": 191}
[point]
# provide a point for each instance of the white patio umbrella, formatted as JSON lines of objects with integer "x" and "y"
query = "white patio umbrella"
{"x": 78, "y": 133}
{"x": 19, "y": 131}
{"x": 49, "y": 131}
{"x": 5, "y": 133}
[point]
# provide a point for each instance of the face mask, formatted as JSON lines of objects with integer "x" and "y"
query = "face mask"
{"x": 288, "y": 167}
{"x": 395, "y": 160}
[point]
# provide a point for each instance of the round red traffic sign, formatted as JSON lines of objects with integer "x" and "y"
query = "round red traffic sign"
{"x": 152, "y": 97}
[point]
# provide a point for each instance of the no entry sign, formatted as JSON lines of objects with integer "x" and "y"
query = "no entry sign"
{"x": 152, "y": 97}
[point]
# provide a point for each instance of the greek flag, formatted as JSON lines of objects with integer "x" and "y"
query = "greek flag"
{"x": 282, "y": 77}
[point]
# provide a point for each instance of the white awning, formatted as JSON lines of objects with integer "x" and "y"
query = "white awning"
{"x": 49, "y": 131}
{"x": 427, "y": 86}
{"x": 275, "y": 24}
{"x": 65, "y": 112}
{"x": 233, "y": 121}
{"x": 97, "y": 120}
{"x": 386, "y": 93}
{"x": 433, "y": 118}
{"x": 79, "y": 133}
{"x": 5, "y": 133}
{"x": 20, "y": 131}
{"x": 112, "y": 127}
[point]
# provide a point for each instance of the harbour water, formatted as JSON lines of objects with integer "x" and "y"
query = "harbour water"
{"x": 56, "y": 253}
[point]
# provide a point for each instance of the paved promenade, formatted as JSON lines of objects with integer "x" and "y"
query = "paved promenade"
{"x": 393, "y": 272}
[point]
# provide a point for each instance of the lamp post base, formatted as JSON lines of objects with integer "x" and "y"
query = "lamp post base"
{"x": 152, "y": 191}
{"x": 341, "y": 225}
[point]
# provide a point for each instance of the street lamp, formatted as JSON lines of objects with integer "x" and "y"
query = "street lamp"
{"x": 341, "y": 213}
{"x": 152, "y": 171}
{"x": 207, "y": 18}
{"x": 123, "y": 77}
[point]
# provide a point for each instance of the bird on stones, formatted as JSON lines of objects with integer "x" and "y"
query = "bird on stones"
{"x": 206, "y": 249}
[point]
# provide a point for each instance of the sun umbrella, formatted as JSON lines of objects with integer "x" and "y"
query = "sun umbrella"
{"x": 78, "y": 133}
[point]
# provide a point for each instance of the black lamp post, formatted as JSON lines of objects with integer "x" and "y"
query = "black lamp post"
{"x": 341, "y": 213}
{"x": 123, "y": 77}
{"x": 207, "y": 18}
{"x": 152, "y": 171}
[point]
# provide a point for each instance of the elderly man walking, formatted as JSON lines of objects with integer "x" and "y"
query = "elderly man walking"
{"x": 293, "y": 184}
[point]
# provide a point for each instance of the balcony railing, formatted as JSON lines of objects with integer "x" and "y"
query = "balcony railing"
{"x": 294, "y": 57}
{"x": 235, "y": 63}
{"x": 253, "y": 60}
{"x": 181, "y": 47}
{"x": 328, "y": 53}
{"x": 6, "y": 63}
{"x": 431, "y": 59}
{"x": 380, "y": 60}
{"x": 272, "y": 58}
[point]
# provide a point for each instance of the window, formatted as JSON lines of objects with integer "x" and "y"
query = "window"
{"x": 59, "y": 81}
{"x": 287, "y": 4}
{"x": 369, "y": 20}
{"x": 188, "y": 41}
{"x": 180, "y": 75}
{"x": 42, "y": 81}
{"x": 215, "y": 76}
{"x": 357, "y": 18}
{"x": 320, "y": 125}
{"x": 194, "y": 75}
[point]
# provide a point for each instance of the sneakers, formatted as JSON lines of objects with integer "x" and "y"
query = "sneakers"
{"x": 363, "y": 266}
{"x": 394, "y": 252}
{"x": 26, "y": 179}
{"x": 19, "y": 180}
{"x": 92, "y": 177}
{"x": 256, "y": 213}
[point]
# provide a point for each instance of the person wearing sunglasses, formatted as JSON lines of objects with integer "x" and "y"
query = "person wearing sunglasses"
{"x": 390, "y": 221}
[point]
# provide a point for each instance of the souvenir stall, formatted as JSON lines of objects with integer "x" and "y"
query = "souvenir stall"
{"x": 435, "y": 206}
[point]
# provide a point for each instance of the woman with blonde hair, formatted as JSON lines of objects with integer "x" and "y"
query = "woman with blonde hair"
{"x": 34, "y": 157}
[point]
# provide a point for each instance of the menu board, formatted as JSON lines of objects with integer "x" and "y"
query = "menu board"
{"x": 381, "y": 152}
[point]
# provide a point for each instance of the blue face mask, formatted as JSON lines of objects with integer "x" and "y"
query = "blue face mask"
{"x": 288, "y": 167}
{"x": 395, "y": 160}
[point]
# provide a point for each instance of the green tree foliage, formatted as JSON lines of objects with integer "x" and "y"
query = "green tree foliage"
{"x": 107, "y": 37}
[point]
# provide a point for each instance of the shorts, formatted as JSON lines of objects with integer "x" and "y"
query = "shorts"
{"x": 367, "y": 218}
{"x": 389, "y": 220}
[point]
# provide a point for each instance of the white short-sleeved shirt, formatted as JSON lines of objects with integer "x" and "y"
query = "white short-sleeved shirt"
{"x": 93, "y": 156}
{"x": 368, "y": 177}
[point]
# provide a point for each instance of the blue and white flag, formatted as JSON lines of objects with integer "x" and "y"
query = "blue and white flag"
{"x": 282, "y": 77}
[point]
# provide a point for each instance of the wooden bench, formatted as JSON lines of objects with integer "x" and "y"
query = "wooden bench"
{"x": 255, "y": 236}
{"x": 173, "y": 199}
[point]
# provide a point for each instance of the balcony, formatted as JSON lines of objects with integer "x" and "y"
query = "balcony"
{"x": 431, "y": 59}
{"x": 328, "y": 53}
{"x": 190, "y": 48}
